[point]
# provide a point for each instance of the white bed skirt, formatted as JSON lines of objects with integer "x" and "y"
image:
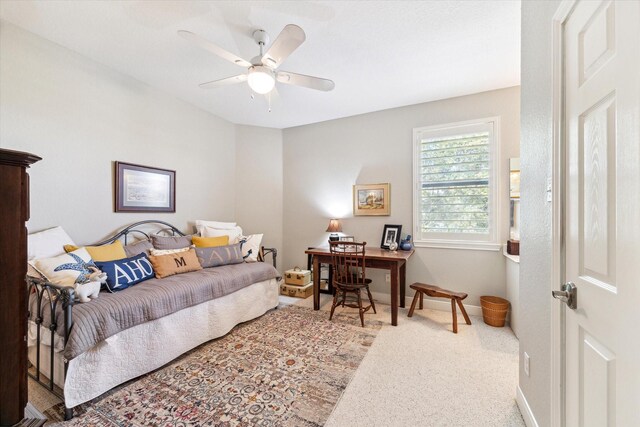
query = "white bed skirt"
{"x": 143, "y": 348}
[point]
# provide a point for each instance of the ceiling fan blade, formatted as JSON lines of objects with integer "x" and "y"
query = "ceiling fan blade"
{"x": 224, "y": 82}
{"x": 213, "y": 48}
{"x": 287, "y": 41}
{"x": 305, "y": 81}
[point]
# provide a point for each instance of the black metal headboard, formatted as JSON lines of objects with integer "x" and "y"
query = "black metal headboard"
{"x": 172, "y": 230}
{"x": 133, "y": 228}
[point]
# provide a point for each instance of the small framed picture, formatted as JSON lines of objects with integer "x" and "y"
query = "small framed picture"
{"x": 391, "y": 233}
{"x": 347, "y": 239}
{"x": 144, "y": 189}
{"x": 371, "y": 199}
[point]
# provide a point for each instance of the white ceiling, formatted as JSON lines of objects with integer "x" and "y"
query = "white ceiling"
{"x": 381, "y": 54}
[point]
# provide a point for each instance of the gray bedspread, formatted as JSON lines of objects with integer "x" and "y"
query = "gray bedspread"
{"x": 111, "y": 313}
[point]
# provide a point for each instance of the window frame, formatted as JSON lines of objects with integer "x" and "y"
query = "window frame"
{"x": 458, "y": 240}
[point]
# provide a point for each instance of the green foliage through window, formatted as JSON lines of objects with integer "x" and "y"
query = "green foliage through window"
{"x": 454, "y": 173}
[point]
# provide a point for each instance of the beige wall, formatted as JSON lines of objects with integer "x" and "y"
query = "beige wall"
{"x": 80, "y": 116}
{"x": 534, "y": 329}
{"x": 322, "y": 161}
{"x": 259, "y": 184}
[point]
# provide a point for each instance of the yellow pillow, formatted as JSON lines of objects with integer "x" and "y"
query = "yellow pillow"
{"x": 210, "y": 242}
{"x": 102, "y": 253}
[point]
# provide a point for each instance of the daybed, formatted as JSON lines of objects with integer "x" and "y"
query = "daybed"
{"x": 87, "y": 349}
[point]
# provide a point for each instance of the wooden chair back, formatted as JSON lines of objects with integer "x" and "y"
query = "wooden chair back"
{"x": 349, "y": 263}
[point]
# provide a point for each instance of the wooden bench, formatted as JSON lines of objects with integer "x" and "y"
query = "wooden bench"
{"x": 438, "y": 292}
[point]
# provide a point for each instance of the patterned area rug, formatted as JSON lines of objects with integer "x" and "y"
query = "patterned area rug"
{"x": 286, "y": 368}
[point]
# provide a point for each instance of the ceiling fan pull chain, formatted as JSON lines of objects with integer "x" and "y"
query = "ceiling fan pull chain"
{"x": 269, "y": 96}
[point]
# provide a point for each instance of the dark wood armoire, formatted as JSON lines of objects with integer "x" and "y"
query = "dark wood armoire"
{"x": 14, "y": 212}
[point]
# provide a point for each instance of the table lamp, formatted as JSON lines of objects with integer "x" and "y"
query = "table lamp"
{"x": 334, "y": 228}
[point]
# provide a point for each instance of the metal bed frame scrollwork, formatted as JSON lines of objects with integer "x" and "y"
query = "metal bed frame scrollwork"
{"x": 51, "y": 295}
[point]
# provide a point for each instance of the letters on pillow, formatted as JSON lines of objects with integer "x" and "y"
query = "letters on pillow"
{"x": 170, "y": 242}
{"x": 67, "y": 269}
{"x": 251, "y": 243}
{"x": 208, "y": 242}
{"x": 127, "y": 272}
{"x": 102, "y": 253}
{"x": 181, "y": 262}
{"x": 215, "y": 256}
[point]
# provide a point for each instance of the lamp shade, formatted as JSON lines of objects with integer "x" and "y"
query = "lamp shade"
{"x": 334, "y": 226}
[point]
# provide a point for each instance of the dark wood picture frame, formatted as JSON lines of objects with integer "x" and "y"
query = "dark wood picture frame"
{"x": 125, "y": 191}
{"x": 395, "y": 229}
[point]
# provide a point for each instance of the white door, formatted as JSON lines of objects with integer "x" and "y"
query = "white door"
{"x": 602, "y": 216}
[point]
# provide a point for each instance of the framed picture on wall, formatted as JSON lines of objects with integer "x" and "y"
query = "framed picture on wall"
{"x": 371, "y": 199}
{"x": 391, "y": 233}
{"x": 144, "y": 188}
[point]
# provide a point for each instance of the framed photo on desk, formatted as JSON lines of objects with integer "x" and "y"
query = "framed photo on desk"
{"x": 391, "y": 233}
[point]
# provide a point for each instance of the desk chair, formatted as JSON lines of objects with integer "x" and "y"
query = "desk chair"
{"x": 349, "y": 277}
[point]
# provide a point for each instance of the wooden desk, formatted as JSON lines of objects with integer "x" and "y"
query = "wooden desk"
{"x": 383, "y": 259}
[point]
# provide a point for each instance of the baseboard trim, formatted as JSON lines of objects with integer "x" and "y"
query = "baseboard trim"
{"x": 525, "y": 409}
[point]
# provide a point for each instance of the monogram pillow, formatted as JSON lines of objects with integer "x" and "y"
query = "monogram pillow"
{"x": 126, "y": 272}
{"x": 177, "y": 263}
{"x": 219, "y": 255}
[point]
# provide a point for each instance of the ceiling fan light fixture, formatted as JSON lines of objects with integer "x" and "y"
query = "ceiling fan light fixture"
{"x": 261, "y": 79}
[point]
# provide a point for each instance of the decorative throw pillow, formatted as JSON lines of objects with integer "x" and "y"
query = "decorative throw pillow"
{"x": 215, "y": 256}
{"x": 233, "y": 233}
{"x": 158, "y": 252}
{"x": 182, "y": 262}
{"x": 66, "y": 269}
{"x": 124, "y": 273}
{"x": 47, "y": 243}
{"x": 102, "y": 253}
{"x": 137, "y": 248}
{"x": 251, "y": 247}
{"x": 33, "y": 272}
{"x": 170, "y": 242}
{"x": 200, "y": 223}
{"x": 208, "y": 242}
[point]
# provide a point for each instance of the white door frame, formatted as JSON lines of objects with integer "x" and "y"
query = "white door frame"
{"x": 558, "y": 211}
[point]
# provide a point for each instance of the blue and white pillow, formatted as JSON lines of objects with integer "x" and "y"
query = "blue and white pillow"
{"x": 123, "y": 273}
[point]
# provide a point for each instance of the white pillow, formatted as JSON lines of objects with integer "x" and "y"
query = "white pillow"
{"x": 200, "y": 223}
{"x": 233, "y": 233}
{"x": 252, "y": 243}
{"x": 47, "y": 243}
{"x": 160, "y": 252}
{"x": 65, "y": 270}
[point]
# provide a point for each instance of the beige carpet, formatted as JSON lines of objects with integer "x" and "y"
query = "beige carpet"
{"x": 421, "y": 374}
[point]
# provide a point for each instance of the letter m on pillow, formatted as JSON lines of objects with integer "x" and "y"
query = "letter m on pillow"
{"x": 180, "y": 262}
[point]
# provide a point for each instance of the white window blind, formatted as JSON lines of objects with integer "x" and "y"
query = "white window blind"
{"x": 454, "y": 178}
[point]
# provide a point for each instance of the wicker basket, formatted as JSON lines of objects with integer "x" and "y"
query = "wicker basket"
{"x": 494, "y": 310}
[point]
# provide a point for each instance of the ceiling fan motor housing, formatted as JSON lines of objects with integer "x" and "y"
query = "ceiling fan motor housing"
{"x": 261, "y": 37}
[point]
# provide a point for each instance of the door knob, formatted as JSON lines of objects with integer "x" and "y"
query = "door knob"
{"x": 568, "y": 295}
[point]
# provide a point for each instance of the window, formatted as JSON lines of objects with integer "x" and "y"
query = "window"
{"x": 455, "y": 185}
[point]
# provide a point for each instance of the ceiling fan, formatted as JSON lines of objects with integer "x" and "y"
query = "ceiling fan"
{"x": 262, "y": 71}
